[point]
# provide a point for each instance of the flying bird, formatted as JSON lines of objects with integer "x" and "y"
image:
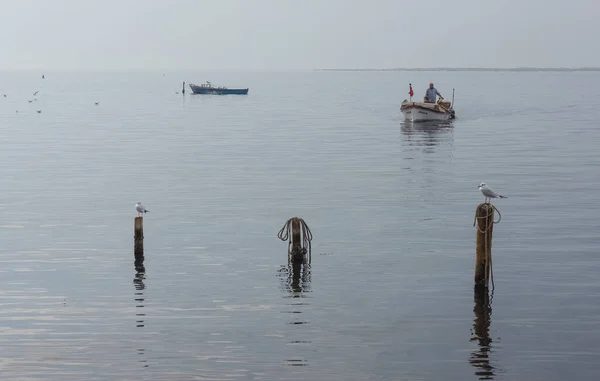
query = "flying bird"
{"x": 39, "y": 111}
{"x": 140, "y": 208}
{"x": 96, "y": 103}
{"x": 489, "y": 193}
{"x": 34, "y": 94}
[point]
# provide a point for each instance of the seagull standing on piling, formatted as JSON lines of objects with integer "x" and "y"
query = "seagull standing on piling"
{"x": 140, "y": 208}
{"x": 489, "y": 193}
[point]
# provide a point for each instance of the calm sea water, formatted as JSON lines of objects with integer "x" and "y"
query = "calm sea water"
{"x": 389, "y": 292}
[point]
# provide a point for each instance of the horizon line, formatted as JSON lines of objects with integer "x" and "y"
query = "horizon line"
{"x": 171, "y": 70}
{"x": 518, "y": 68}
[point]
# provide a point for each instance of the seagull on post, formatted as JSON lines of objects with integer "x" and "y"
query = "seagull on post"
{"x": 489, "y": 193}
{"x": 140, "y": 208}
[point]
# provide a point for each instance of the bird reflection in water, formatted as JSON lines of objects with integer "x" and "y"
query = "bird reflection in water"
{"x": 295, "y": 283}
{"x": 480, "y": 358}
{"x": 140, "y": 286}
{"x": 426, "y": 134}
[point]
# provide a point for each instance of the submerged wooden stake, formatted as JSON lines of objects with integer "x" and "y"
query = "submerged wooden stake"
{"x": 483, "y": 312}
{"x": 299, "y": 236}
{"x": 296, "y": 235}
{"x": 297, "y": 252}
{"x": 484, "y": 220}
{"x": 138, "y": 239}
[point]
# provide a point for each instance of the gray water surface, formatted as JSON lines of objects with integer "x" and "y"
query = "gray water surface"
{"x": 389, "y": 292}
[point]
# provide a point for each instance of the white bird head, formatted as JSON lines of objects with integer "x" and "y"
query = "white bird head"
{"x": 139, "y": 203}
{"x": 482, "y": 185}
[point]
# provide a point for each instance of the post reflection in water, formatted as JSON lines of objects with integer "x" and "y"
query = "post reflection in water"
{"x": 295, "y": 281}
{"x": 140, "y": 286}
{"x": 480, "y": 358}
{"x": 295, "y": 278}
{"x": 427, "y": 134}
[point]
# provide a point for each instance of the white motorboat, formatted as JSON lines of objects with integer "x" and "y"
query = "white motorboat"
{"x": 423, "y": 111}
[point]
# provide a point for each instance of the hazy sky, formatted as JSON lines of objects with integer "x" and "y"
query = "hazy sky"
{"x": 296, "y": 34}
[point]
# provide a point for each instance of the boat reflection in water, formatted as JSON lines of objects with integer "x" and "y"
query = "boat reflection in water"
{"x": 427, "y": 134}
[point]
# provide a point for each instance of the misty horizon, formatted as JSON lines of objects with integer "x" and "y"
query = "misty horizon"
{"x": 277, "y": 35}
{"x": 422, "y": 69}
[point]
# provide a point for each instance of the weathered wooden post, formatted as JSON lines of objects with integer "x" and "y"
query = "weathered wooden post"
{"x": 138, "y": 240}
{"x": 484, "y": 221}
{"x": 483, "y": 313}
{"x": 300, "y": 236}
{"x": 296, "y": 241}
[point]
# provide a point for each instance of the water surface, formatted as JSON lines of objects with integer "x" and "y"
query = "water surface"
{"x": 389, "y": 292}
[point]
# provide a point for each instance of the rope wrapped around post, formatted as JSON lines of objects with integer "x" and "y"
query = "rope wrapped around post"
{"x": 297, "y": 232}
{"x": 484, "y": 220}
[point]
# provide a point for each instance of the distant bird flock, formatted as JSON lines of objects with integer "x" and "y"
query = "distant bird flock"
{"x": 35, "y": 93}
{"x": 36, "y": 99}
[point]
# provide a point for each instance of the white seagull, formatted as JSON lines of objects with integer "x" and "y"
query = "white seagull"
{"x": 489, "y": 193}
{"x": 140, "y": 208}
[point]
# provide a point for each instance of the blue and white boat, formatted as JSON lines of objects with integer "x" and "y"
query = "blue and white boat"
{"x": 208, "y": 88}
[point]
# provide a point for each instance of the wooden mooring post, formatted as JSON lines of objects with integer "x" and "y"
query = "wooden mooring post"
{"x": 138, "y": 240}
{"x": 296, "y": 236}
{"x": 484, "y": 222}
{"x": 299, "y": 235}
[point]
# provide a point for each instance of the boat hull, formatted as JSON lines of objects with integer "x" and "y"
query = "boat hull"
{"x": 217, "y": 91}
{"x": 419, "y": 112}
